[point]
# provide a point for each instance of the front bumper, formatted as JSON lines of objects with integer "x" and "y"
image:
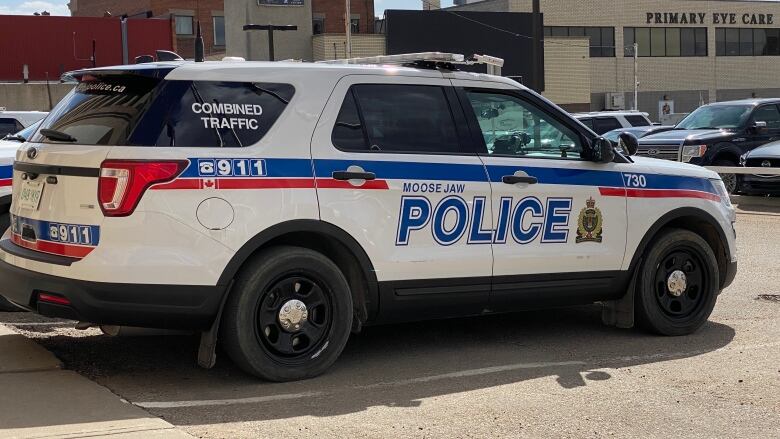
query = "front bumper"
{"x": 756, "y": 185}
{"x": 142, "y": 305}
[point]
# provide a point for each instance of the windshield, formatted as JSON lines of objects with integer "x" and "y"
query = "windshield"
{"x": 716, "y": 117}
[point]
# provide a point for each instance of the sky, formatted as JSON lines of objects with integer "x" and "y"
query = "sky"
{"x": 60, "y": 7}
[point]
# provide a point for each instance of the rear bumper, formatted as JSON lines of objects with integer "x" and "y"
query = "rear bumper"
{"x": 142, "y": 305}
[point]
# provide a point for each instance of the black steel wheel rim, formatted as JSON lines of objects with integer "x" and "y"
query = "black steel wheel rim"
{"x": 694, "y": 296}
{"x": 286, "y": 344}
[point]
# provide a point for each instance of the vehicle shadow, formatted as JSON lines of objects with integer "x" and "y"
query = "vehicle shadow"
{"x": 396, "y": 365}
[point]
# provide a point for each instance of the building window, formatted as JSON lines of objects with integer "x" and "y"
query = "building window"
{"x": 602, "y": 39}
{"x": 731, "y": 41}
{"x": 354, "y": 25}
{"x": 666, "y": 41}
{"x": 318, "y": 25}
{"x": 219, "y": 30}
{"x": 183, "y": 24}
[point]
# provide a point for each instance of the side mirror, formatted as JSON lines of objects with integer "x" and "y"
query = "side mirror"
{"x": 759, "y": 127}
{"x": 603, "y": 151}
{"x": 628, "y": 143}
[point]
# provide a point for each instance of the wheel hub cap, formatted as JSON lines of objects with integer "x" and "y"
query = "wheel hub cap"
{"x": 292, "y": 315}
{"x": 677, "y": 283}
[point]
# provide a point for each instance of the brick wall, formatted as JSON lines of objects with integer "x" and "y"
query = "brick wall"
{"x": 333, "y": 13}
{"x": 184, "y": 45}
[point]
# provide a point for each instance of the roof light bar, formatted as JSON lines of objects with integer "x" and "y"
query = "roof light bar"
{"x": 422, "y": 57}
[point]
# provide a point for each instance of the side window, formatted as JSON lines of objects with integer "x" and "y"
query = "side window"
{"x": 587, "y": 122}
{"x": 396, "y": 118}
{"x": 768, "y": 114}
{"x": 348, "y": 133}
{"x": 215, "y": 114}
{"x": 9, "y": 125}
{"x": 604, "y": 124}
{"x": 638, "y": 121}
{"x": 514, "y": 127}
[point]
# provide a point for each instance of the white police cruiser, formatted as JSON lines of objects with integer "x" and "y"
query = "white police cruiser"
{"x": 284, "y": 205}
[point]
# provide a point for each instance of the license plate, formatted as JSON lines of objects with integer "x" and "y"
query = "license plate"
{"x": 30, "y": 195}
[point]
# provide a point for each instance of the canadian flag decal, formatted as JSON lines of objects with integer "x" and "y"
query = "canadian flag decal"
{"x": 209, "y": 183}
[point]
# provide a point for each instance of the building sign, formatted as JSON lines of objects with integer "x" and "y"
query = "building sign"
{"x": 280, "y": 2}
{"x": 704, "y": 18}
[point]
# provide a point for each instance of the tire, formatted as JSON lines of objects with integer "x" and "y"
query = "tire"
{"x": 253, "y": 330}
{"x": 5, "y": 222}
{"x": 683, "y": 309}
{"x": 729, "y": 180}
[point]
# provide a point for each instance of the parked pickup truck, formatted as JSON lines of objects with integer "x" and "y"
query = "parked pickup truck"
{"x": 717, "y": 135}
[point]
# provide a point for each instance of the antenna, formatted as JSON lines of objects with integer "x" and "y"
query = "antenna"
{"x": 199, "y": 45}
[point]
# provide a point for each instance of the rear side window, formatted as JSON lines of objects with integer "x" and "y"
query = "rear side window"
{"x": 587, "y": 122}
{"x": 9, "y": 125}
{"x": 396, "y": 118}
{"x": 213, "y": 114}
{"x": 101, "y": 111}
{"x": 603, "y": 124}
{"x": 638, "y": 121}
{"x": 142, "y": 111}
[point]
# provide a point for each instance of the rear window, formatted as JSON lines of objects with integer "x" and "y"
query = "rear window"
{"x": 638, "y": 121}
{"x": 142, "y": 111}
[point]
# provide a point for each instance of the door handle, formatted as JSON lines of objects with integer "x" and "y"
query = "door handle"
{"x": 352, "y": 175}
{"x": 514, "y": 179}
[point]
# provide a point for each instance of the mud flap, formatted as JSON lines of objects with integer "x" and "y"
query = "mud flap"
{"x": 620, "y": 313}
{"x": 207, "y": 351}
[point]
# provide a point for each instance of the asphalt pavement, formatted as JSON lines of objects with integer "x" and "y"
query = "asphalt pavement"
{"x": 552, "y": 373}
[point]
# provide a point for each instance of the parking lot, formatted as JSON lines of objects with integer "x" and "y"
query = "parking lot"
{"x": 552, "y": 373}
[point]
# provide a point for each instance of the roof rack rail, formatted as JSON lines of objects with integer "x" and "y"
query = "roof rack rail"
{"x": 435, "y": 60}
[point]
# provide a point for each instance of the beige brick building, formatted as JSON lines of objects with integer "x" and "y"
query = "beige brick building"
{"x": 691, "y": 51}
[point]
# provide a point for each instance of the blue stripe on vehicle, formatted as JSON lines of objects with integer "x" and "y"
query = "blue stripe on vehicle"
{"x": 392, "y": 170}
{"x": 6, "y": 171}
{"x": 43, "y": 231}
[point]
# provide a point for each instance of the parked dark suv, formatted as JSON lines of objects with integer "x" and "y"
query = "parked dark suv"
{"x": 717, "y": 134}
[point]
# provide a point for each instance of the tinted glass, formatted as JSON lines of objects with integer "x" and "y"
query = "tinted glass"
{"x": 9, "y": 125}
{"x": 732, "y": 42}
{"x": 213, "y": 114}
{"x": 720, "y": 41}
{"x": 746, "y": 42}
{"x": 673, "y": 41}
{"x": 759, "y": 42}
{"x": 587, "y": 122}
{"x": 407, "y": 118}
{"x": 608, "y": 41}
{"x": 604, "y": 124}
{"x": 643, "y": 39}
{"x": 101, "y": 111}
{"x": 772, "y": 42}
{"x": 768, "y": 114}
{"x": 657, "y": 42}
{"x": 701, "y": 41}
{"x": 183, "y": 24}
{"x": 514, "y": 127}
{"x": 348, "y": 132}
{"x": 219, "y": 31}
{"x": 27, "y": 132}
{"x": 595, "y": 41}
{"x": 637, "y": 121}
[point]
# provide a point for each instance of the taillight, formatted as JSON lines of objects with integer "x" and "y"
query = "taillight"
{"x": 122, "y": 183}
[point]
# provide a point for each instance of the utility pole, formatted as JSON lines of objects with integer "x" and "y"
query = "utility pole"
{"x": 348, "y": 29}
{"x": 270, "y": 28}
{"x": 636, "y": 77}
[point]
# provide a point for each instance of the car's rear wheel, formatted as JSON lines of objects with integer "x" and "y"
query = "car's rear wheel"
{"x": 288, "y": 316}
{"x": 729, "y": 180}
{"x": 677, "y": 284}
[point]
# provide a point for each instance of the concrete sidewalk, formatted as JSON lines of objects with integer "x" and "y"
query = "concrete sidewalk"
{"x": 38, "y": 399}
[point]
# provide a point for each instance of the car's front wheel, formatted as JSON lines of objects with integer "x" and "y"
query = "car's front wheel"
{"x": 678, "y": 283}
{"x": 288, "y": 316}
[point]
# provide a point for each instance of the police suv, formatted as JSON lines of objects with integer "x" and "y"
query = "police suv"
{"x": 282, "y": 206}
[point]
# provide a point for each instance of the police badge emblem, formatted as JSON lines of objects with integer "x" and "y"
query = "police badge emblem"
{"x": 589, "y": 223}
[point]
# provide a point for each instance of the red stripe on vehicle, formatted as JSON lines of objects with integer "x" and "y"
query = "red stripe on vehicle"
{"x": 657, "y": 193}
{"x": 266, "y": 183}
{"x": 6, "y": 182}
{"x": 54, "y": 248}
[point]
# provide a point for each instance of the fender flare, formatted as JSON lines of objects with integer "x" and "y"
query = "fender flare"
{"x": 311, "y": 226}
{"x": 670, "y": 216}
{"x": 723, "y": 149}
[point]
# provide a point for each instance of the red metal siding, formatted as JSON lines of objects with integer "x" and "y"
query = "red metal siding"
{"x": 60, "y": 44}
